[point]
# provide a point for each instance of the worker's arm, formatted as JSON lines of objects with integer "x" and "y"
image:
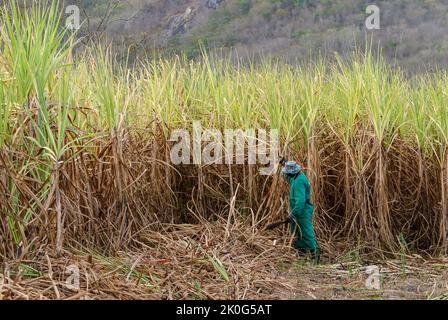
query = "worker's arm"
{"x": 299, "y": 194}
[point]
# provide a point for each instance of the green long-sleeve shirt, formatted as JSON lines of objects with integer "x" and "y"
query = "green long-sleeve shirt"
{"x": 300, "y": 196}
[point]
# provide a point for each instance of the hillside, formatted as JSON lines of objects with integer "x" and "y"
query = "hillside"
{"x": 411, "y": 31}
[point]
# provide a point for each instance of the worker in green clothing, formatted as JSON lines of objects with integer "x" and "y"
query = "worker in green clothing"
{"x": 301, "y": 210}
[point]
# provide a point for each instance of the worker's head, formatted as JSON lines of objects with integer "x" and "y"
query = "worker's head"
{"x": 291, "y": 169}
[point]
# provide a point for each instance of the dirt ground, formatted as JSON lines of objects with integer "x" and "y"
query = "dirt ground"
{"x": 211, "y": 262}
{"x": 396, "y": 280}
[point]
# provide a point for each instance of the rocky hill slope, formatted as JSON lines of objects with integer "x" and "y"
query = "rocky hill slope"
{"x": 414, "y": 32}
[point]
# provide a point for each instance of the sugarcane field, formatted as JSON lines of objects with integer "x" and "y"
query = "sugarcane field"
{"x": 223, "y": 150}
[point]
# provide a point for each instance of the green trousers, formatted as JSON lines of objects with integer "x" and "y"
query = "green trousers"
{"x": 305, "y": 239}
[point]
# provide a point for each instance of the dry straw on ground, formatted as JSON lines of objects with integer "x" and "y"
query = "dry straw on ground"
{"x": 193, "y": 262}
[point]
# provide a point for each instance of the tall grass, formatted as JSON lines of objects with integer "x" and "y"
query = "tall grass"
{"x": 85, "y": 151}
{"x": 34, "y": 47}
